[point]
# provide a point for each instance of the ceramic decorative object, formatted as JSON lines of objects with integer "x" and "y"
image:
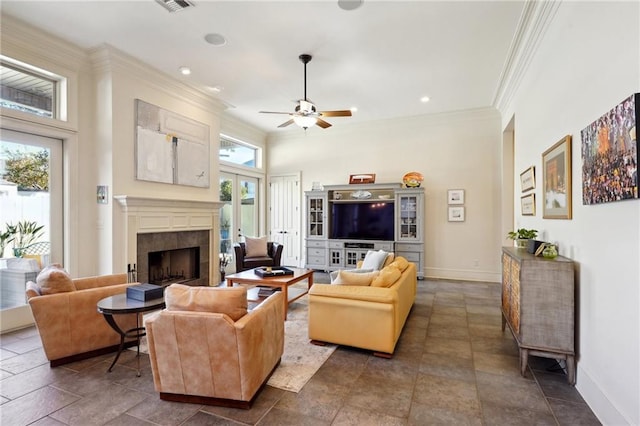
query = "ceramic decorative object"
{"x": 550, "y": 251}
{"x": 412, "y": 179}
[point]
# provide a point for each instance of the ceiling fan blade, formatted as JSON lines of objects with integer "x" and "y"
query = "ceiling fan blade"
{"x": 339, "y": 113}
{"x": 320, "y": 122}
{"x": 286, "y": 123}
{"x": 273, "y": 112}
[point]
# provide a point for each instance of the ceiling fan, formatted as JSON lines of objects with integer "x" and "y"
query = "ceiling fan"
{"x": 306, "y": 114}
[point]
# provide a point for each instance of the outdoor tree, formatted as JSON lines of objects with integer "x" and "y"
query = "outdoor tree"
{"x": 225, "y": 191}
{"x": 29, "y": 170}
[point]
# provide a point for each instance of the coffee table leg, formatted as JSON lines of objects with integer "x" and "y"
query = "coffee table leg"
{"x": 285, "y": 292}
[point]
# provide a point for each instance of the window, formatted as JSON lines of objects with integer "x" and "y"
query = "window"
{"x": 28, "y": 90}
{"x": 236, "y": 152}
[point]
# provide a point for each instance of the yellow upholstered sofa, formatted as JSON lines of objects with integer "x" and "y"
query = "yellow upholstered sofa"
{"x": 366, "y": 317}
{"x": 206, "y": 348}
{"x": 69, "y": 324}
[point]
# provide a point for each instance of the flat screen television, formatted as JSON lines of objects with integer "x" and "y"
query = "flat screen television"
{"x": 362, "y": 221}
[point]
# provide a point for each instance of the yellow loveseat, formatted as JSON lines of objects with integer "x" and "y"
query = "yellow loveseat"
{"x": 364, "y": 317}
{"x": 69, "y": 324}
{"x": 206, "y": 348}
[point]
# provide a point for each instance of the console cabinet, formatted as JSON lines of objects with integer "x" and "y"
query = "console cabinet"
{"x": 326, "y": 253}
{"x": 538, "y": 306}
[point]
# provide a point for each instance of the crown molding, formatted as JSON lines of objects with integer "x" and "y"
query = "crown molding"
{"x": 535, "y": 20}
{"x": 108, "y": 59}
{"x": 27, "y": 43}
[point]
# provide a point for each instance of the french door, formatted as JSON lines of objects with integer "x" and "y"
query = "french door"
{"x": 30, "y": 195}
{"x": 239, "y": 216}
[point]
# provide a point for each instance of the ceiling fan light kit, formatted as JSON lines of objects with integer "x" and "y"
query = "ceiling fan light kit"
{"x": 306, "y": 113}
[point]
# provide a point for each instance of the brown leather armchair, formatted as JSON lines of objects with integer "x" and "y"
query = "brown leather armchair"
{"x": 69, "y": 324}
{"x": 201, "y": 355}
{"x": 274, "y": 257}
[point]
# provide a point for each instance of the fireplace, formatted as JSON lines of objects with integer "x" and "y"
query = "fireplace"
{"x": 160, "y": 224}
{"x": 174, "y": 257}
{"x": 174, "y": 266}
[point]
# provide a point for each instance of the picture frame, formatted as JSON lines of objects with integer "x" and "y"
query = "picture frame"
{"x": 456, "y": 214}
{"x": 362, "y": 178}
{"x": 455, "y": 196}
{"x": 556, "y": 180}
{"x": 528, "y": 204}
{"x": 528, "y": 179}
{"x": 170, "y": 148}
{"x": 609, "y": 152}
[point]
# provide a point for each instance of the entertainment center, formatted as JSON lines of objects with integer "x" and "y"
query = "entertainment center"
{"x": 345, "y": 221}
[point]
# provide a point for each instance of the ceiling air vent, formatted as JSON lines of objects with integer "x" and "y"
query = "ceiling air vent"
{"x": 175, "y": 5}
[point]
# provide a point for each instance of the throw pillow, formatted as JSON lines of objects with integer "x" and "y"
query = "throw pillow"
{"x": 334, "y": 274}
{"x": 400, "y": 263}
{"x": 354, "y": 278}
{"x": 256, "y": 247}
{"x": 231, "y": 301}
{"x": 33, "y": 290}
{"x": 387, "y": 276}
{"x": 54, "y": 279}
{"x": 374, "y": 260}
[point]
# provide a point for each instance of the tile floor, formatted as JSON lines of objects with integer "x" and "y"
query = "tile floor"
{"x": 453, "y": 365}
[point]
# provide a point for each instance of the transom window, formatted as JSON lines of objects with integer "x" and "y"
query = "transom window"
{"x": 27, "y": 90}
{"x": 237, "y": 152}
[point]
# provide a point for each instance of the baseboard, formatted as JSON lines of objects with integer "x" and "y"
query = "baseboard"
{"x": 596, "y": 399}
{"x": 462, "y": 275}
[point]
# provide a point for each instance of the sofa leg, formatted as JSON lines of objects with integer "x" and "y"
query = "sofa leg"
{"x": 383, "y": 355}
{"x": 318, "y": 343}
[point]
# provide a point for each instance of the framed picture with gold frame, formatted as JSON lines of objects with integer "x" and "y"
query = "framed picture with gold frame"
{"x": 528, "y": 179}
{"x": 556, "y": 180}
{"x": 528, "y": 204}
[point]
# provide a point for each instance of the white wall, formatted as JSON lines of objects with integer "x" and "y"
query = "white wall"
{"x": 452, "y": 151}
{"x": 588, "y": 61}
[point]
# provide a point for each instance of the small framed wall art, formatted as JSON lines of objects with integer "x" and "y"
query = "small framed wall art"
{"x": 528, "y": 179}
{"x": 556, "y": 180}
{"x": 455, "y": 196}
{"x": 456, "y": 214}
{"x": 362, "y": 178}
{"x": 528, "y": 204}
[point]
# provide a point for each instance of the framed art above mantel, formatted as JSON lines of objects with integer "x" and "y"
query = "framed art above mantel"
{"x": 170, "y": 148}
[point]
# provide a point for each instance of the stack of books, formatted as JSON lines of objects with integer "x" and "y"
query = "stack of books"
{"x": 266, "y": 291}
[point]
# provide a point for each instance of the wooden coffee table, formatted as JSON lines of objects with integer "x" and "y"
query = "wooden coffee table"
{"x": 282, "y": 282}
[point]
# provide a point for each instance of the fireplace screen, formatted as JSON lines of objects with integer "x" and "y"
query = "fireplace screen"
{"x": 174, "y": 266}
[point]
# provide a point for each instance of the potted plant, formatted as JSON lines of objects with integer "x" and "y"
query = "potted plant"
{"x": 25, "y": 232}
{"x": 5, "y": 238}
{"x": 522, "y": 235}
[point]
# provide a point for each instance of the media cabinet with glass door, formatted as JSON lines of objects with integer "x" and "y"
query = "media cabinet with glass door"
{"x": 343, "y": 222}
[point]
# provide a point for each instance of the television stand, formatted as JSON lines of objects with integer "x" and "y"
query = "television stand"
{"x": 404, "y": 235}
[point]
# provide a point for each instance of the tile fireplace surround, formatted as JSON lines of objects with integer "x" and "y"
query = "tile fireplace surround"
{"x": 156, "y": 215}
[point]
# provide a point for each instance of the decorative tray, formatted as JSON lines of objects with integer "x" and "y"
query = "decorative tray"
{"x": 276, "y": 271}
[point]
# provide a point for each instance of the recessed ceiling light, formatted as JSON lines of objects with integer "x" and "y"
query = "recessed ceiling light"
{"x": 354, "y": 109}
{"x": 424, "y": 99}
{"x": 215, "y": 39}
{"x": 184, "y": 70}
{"x": 349, "y": 4}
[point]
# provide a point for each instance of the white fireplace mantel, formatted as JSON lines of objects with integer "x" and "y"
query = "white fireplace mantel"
{"x": 146, "y": 215}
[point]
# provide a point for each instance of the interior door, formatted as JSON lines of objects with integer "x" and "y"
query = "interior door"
{"x": 284, "y": 217}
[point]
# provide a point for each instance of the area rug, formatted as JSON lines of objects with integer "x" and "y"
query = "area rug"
{"x": 300, "y": 359}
